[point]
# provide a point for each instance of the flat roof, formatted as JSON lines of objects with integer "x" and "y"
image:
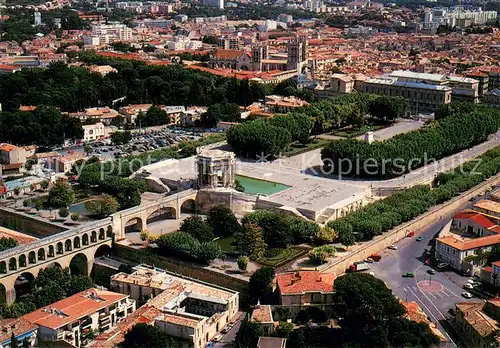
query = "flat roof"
{"x": 73, "y": 308}
{"x": 388, "y": 80}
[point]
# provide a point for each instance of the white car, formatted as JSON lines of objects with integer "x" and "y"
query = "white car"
{"x": 219, "y": 337}
{"x": 442, "y": 265}
{"x": 392, "y": 247}
{"x": 466, "y": 294}
{"x": 468, "y": 286}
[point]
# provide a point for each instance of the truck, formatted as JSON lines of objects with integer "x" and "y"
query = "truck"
{"x": 359, "y": 266}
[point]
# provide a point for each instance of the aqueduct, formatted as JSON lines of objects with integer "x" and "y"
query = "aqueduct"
{"x": 85, "y": 242}
{"x": 60, "y": 249}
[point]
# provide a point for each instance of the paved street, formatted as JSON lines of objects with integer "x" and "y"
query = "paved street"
{"x": 435, "y": 294}
{"x": 228, "y": 339}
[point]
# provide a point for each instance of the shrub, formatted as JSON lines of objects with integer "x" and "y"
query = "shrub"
{"x": 243, "y": 262}
{"x": 63, "y": 212}
{"x": 320, "y": 254}
{"x": 75, "y": 216}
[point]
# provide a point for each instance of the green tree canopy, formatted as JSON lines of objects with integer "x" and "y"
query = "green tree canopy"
{"x": 61, "y": 195}
{"x": 144, "y": 335}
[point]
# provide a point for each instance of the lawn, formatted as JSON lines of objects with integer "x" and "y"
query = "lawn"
{"x": 351, "y": 133}
{"x": 297, "y": 149}
{"x": 226, "y": 245}
{"x": 278, "y": 257}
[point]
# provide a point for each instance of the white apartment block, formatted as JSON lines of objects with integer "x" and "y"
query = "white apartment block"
{"x": 457, "y": 17}
{"x": 190, "y": 310}
{"x": 107, "y": 33}
{"x": 74, "y": 318}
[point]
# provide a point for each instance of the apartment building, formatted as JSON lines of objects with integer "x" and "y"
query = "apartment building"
{"x": 421, "y": 96}
{"x": 305, "y": 288}
{"x": 191, "y": 311}
{"x": 174, "y": 113}
{"x": 229, "y": 43}
{"x": 101, "y": 114}
{"x": 75, "y": 318}
{"x": 24, "y": 331}
{"x": 12, "y": 154}
{"x": 478, "y": 322}
{"x": 107, "y": 33}
{"x": 462, "y": 88}
{"x": 280, "y": 104}
{"x": 471, "y": 232}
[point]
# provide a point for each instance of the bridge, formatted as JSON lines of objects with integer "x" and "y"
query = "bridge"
{"x": 168, "y": 207}
{"x": 81, "y": 244}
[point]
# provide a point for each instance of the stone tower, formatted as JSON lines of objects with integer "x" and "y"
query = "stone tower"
{"x": 294, "y": 54}
{"x": 216, "y": 168}
{"x": 257, "y": 56}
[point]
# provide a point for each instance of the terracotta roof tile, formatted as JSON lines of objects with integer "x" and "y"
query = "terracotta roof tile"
{"x": 17, "y": 327}
{"x": 305, "y": 281}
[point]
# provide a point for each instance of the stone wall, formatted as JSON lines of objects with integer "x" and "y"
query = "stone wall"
{"x": 29, "y": 224}
{"x": 187, "y": 269}
{"x": 382, "y": 242}
{"x": 240, "y": 203}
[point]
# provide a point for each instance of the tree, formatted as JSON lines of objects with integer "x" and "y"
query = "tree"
{"x": 242, "y": 262}
{"x": 7, "y": 243}
{"x": 195, "y": 226}
{"x": 75, "y": 217}
{"x": 121, "y": 137}
{"x": 250, "y": 241}
{"x": 284, "y": 329}
{"x": 44, "y": 185}
{"x": 14, "y": 343}
{"x": 184, "y": 245}
{"x": 102, "y": 206}
{"x": 87, "y": 148}
{"x": 249, "y": 334}
{"x": 63, "y": 212}
{"x": 260, "y": 287}
{"x": 61, "y": 195}
{"x": 325, "y": 235}
{"x": 221, "y": 112}
{"x": 223, "y": 221}
{"x": 38, "y": 205}
{"x": 320, "y": 254}
{"x": 27, "y": 202}
{"x": 144, "y": 335}
{"x": 346, "y": 238}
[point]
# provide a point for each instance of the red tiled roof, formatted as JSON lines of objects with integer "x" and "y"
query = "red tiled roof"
{"x": 73, "y": 307}
{"x": 17, "y": 327}
{"x": 7, "y": 147}
{"x": 469, "y": 244}
{"x": 228, "y": 54}
{"x": 305, "y": 281}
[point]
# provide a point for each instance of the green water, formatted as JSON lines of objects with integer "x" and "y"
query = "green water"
{"x": 78, "y": 208}
{"x": 263, "y": 187}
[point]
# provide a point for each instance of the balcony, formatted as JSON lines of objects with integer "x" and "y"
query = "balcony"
{"x": 86, "y": 323}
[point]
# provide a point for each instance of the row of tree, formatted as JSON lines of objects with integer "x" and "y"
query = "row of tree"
{"x": 405, "y": 152}
{"x": 7, "y": 243}
{"x": 51, "y": 285}
{"x": 381, "y": 216}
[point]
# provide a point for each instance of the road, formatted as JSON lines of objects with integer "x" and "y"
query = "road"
{"x": 435, "y": 294}
{"x": 228, "y": 339}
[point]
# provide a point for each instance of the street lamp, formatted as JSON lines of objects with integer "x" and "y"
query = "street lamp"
{"x": 430, "y": 276}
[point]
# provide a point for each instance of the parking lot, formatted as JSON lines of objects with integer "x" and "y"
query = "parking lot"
{"x": 140, "y": 142}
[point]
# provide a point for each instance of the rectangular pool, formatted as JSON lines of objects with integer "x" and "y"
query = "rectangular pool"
{"x": 256, "y": 186}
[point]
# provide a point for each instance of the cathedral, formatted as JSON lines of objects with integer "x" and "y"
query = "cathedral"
{"x": 260, "y": 60}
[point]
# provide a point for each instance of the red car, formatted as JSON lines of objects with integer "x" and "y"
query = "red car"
{"x": 411, "y": 234}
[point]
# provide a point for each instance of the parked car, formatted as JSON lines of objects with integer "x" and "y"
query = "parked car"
{"x": 376, "y": 257}
{"x": 217, "y": 338}
{"x": 468, "y": 286}
{"x": 431, "y": 271}
{"x": 411, "y": 234}
{"x": 227, "y": 328}
{"x": 419, "y": 239}
{"x": 392, "y": 247}
{"x": 442, "y": 265}
{"x": 369, "y": 260}
{"x": 466, "y": 294}
{"x": 408, "y": 275}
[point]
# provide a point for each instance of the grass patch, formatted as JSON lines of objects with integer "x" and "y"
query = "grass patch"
{"x": 297, "y": 149}
{"x": 352, "y": 133}
{"x": 278, "y": 257}
{"x": 226, "y": 244}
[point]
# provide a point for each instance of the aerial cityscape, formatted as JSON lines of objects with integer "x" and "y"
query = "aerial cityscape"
{"x": 250, "y": 174}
